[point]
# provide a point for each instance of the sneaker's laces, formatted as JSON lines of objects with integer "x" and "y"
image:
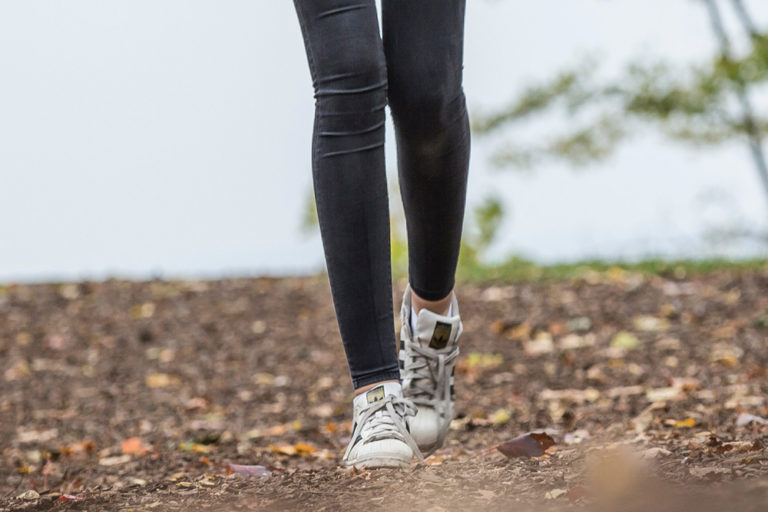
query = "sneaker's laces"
{"x": 383, "y": 419}
{"x": 428, "y": 380}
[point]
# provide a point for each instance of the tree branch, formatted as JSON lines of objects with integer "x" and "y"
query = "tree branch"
{"x": 753, "y": 130}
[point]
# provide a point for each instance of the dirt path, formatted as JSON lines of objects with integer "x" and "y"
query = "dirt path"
{"x": 137, "y": 396}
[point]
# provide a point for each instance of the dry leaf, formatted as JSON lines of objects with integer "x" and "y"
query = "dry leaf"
{"x": 500, "y": 417}
{"x": 160, "y": 380}
{"x": 248, "y": 471}
{"x": 725, "y": 354}
{"x": 574, "y": 341}
{"x": 133, "y": 446}
{"x": 686, "y": 423}
{"x": 532, "y": 444}
{"x": 539, "y": 346}
{"x": 625, "y": 340}
{"x": 114, "y": 461}
{"x": 745, "y": 419}
{"x": 554, "y": 494}
{"x": 29, "y": 495}
{"x": 664, "y": 394}
{"x": 69, "y": 497}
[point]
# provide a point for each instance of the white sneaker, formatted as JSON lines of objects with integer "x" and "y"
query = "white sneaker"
{"x": 427, "y": 363}
{"x": 380, "y": 437}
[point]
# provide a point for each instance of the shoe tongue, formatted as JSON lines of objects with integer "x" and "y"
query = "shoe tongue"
{"x": 436, "y": 331}
{"x": 378, "y": 393}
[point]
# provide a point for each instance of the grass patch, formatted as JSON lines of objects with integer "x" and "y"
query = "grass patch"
{"x": 520, "y": 269}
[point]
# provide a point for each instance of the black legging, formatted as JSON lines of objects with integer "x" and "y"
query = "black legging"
{"x": 417, "y": 69}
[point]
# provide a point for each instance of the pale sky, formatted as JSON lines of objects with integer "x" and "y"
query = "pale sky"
{"x": 172, "y": 137}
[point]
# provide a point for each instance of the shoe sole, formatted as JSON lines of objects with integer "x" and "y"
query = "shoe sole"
{"x": 379, "y": 462}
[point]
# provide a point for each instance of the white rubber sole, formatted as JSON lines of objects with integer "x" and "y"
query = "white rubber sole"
{"x": 379, "y": 462}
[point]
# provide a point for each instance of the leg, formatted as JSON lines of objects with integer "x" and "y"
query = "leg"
{"x": 423, "y": 44}
{"x": 348, "y": 71}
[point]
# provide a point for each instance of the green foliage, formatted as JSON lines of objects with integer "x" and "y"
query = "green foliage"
{"x": 694, "y": 105}
{"x": 517, "y": 269}
{"x": 309, "y": 222}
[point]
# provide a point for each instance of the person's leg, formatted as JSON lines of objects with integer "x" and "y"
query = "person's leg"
{"x": 346, "y": 60}
{"x": 423, "y": 44}
{"x": 348, "y": 69}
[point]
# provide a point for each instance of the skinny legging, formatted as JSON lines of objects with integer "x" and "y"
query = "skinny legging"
{"x": 415, "y": 66}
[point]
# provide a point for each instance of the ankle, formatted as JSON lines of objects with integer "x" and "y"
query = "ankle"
{"x": 368, "y": 387}
{"x": 441, "y": 306}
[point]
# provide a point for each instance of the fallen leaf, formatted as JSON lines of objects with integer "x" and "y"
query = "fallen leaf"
{"x": 650, "y": 323}
{"x": 70, "y": 497}
{"x": 160, "y": 380}
{"x": 248, "y": 471}
{"x": 575, "y": 437}
{"x": 304, "y": 449}
{"x": 258, "y": 326}
{"x": 500, "y": 417}
{"x": 532, "y": 444}
{"x": 29, "y": 495}
{"x": 554, "y": 494}
{"x": 574, "y": 341}
{"x": 745, "y": 419}
{"x": 623, "y": 391}
{"x": 146, "y": 310}
{"x": 283, "y": 449}
{"x": 579, "y": 324}
{"x": 176, "y": 476}
{"x": 578, "y": 396}
{"x": 85, "y": 446}
{"x": 725, "y": 354}
{"x": 478, "y": 360}
{"x": 36, "y": 436}
{"x": 115, "y": 460}
{"x": 191, "y": 446}
{"x": 686, "y": 423}
{"x": 133, "y": 446}
{"x": 663, "y": 394}
{"x": 625, "y": 340}
{"x": 539, "y": 346}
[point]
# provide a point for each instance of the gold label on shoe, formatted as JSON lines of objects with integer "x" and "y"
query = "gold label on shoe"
{"x": 375, "y": 394}
{"x": 440, "y": 335}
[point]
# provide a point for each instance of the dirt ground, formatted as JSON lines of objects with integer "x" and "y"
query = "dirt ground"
{"x": 138, "y": 396}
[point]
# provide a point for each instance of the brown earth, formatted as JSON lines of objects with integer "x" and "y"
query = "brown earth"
{"x": 137, "y": 396}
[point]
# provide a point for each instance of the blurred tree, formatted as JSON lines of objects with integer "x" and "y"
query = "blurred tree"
{"x": 703, "y": 105}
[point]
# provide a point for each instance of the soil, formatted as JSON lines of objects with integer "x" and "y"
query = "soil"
{"x": 123, "y": 395}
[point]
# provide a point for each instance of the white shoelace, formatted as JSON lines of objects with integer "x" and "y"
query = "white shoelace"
{"x": 383, "y": 419}
{"x": 428, "y": 377}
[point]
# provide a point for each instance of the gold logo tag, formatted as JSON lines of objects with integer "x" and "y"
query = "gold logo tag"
{"x": 440, "y": 335}
{"x": 375, "y": 394}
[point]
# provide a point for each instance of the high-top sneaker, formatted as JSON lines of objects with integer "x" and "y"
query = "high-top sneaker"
{"x": 380, "y": 437}
{"x": 427, "y": 361}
